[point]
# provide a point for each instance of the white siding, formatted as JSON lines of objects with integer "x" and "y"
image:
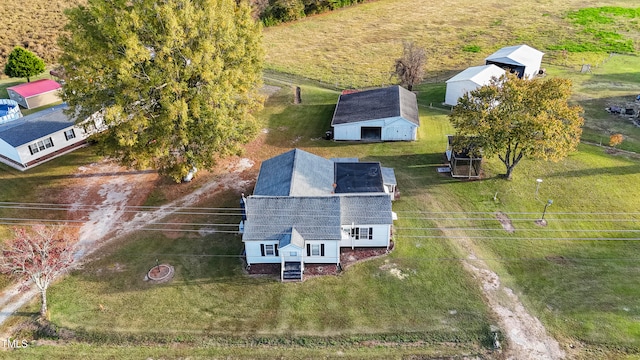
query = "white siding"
{"x": 393, "y": 129}
{"x": 17, "y": 98}
{"x": 456, "y": 89}
{"x": 381, "y": 235}
{"x": 254, "y": 253}
{"x": 399, "y": 132}
{"x": 9, "y": 151}
{"x": 346, "y": 132}
{"x": 331, "y": 252}
{"x": 59, "y": 142}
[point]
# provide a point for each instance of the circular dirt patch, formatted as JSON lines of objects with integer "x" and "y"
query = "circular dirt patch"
{"x": 160, "y": 273}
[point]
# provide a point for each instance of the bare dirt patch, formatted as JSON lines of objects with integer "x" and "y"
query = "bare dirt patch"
{"x": 505, "y": 222}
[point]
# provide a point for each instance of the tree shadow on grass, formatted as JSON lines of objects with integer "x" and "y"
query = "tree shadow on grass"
{"x": 611, "y": 170}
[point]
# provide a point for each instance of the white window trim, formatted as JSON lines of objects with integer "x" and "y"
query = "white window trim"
{"x": 269, "y": 250}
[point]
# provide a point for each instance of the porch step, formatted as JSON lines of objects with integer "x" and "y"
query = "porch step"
{"x": 292, "y": 275}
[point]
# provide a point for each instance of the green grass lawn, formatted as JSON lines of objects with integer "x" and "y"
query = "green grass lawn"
{"x": 583, "y": 290}
{"x": 211, "y": 296}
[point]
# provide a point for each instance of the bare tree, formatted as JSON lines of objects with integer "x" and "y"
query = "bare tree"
{"x": 39, "y": 255}
{"x": 410, "y": 67}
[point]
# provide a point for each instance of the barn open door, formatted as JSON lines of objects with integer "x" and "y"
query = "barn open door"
{"x": 371, "y": 133}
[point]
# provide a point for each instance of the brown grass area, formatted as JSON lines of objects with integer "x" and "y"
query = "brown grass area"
{"x": 356, "y": 46}
{"x": 34, "y": 25}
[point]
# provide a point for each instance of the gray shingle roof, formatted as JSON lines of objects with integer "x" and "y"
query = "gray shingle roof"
{"x": 35, "y": 126}
{"x": 313, "y": 217}
{"x": 293, "y": 173}
{"x": 271, "y": 217}
{"x": 365, "y": 209}
{"x": 389, "y": 176}
{"x": 292, "y": 237}
{"x": 376, "y": 104}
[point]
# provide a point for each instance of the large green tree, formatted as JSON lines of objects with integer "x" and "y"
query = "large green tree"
{"x": 515, "y": 118}
{"x": 176, "y": 80}
{"x": 23, "y": 63}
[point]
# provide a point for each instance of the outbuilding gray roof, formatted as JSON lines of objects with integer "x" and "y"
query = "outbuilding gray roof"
{"x": 376, "y": 104}
{"x": 294, "y": 173}
{"x": 35, "y": 126}
{"x": 313, "y": 217}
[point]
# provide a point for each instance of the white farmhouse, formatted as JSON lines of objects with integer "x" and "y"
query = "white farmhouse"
{"x": 305, "y": 208}
{"x": 520, "y": 59}
{"x": 469, "y": 80}
{"x": 386, "y": 114}
{"x": 33, "y": 139}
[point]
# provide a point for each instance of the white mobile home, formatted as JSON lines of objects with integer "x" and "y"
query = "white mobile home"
{"x": 33, "y": 139}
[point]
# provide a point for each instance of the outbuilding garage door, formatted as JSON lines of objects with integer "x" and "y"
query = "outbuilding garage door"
{"x": 371, "y": 133}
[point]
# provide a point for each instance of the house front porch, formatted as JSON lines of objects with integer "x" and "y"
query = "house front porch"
{"x": 299, "y": 272}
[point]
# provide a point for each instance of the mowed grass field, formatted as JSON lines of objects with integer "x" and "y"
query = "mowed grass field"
{"x": 357, "y": 46}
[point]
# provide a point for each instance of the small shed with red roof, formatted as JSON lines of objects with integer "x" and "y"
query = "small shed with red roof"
{"x": 35, "y": 94}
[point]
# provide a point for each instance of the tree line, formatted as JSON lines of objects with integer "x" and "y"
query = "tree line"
{"x": 273, "y": 12}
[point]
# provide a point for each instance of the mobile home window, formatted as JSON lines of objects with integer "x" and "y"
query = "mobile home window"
{"x": 69, "y": 134}
{"x": 47, "y": 143}
{"x": 33, "y": 148}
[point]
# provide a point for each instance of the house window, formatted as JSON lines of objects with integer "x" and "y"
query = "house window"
{"x": 293, "y": 253}
{"x": 69, "y": 134}
{"x": 364, "y": 233}
{"x": 315, "y": 249}
{"x": 269, "y": 249}
{"x": 40, "y": 145}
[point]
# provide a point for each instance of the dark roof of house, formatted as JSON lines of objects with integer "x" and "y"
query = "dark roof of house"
{"x": 35, "y": 126}
{"x": 313, "y": 217}
{"x": 376, "y": 104}
{"x": 293, "y": 173}
{"x": 34, "y": 88}
{"x": 272, "y": 217}
{"x": 358, "y": 177}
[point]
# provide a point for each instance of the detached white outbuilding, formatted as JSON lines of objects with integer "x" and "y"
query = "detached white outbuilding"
{"x": 386, "y": 114}
{"x": 521, "y": 59}
{"x": 469, "y": 80}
